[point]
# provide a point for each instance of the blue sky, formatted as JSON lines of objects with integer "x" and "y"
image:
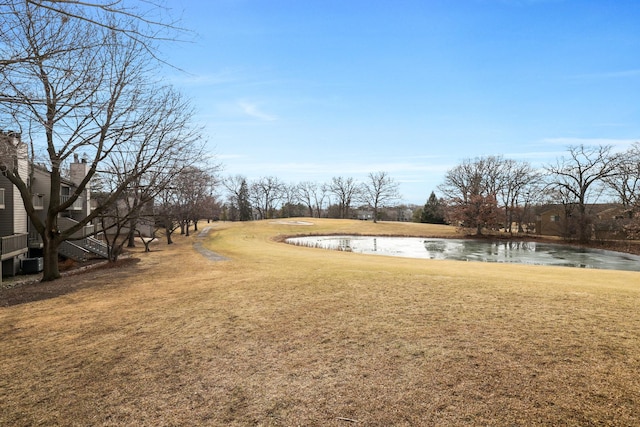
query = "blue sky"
{"x": 307, "y": 89}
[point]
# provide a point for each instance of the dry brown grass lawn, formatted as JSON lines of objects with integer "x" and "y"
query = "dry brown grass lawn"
{"x": 285, "y": 335}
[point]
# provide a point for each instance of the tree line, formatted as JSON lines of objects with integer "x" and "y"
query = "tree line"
{"x": 269, "y": 197}
{"x": 483, "y": 193}
{"x": 497, "y": 193}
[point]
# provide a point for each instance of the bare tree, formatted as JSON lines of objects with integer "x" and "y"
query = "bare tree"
{"x": 378, "y": 191}
{"x": 578, "y": 175}
{"x": 265, "y": 193}
{"x": 232, "y": 186}
{"x": 625, "y": 183}
{"x": 319, "y": 199}
{"x": 516, "y": 183}
{"x": 465, "y": 180}
{"x": 523, "y": 213}
{"x": 83, "y": 89}
{"x": 211, "y": 207}
{"x": 346, "y": 191}
{"x": 123, "y": 219}
{"x": 151, "y": 20}
{"x": 306, "y": 194}
{"x": 197, "y": 184}
{"x": 290, "y": 198}
{"x": 313, "y": 196}
{"x": 471, "y": 191}
{"x": 167, "y": 212}
{"x": 187, "y": 199}
{"x": 175, "y": 149}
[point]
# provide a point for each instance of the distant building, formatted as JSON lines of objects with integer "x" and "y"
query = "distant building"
{"x": 606, "y": 220}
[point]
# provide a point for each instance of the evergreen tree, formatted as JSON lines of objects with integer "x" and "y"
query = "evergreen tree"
{"x": 433, "y": 213}
{"x": 244, "y": 206}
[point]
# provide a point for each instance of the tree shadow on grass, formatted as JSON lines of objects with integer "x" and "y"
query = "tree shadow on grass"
{"x": 39, "y": 291}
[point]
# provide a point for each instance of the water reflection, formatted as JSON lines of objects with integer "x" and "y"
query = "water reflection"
{"x": 344, "y": 244}
{"x": 523, "y": 252}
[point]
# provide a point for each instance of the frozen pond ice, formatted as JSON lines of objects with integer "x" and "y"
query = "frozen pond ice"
{"x": 521, "y": 252}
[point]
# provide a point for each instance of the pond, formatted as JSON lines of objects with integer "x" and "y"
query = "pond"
{"x": 520, "y": 252}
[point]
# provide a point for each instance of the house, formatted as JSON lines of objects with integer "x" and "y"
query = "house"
{"x": 364, "y": 214}
{"x": 13, "y": 216}
{"x": 607, "y": 220}
{"x": 19, "y": 242}
{"x": 551, "y": 220}
{"x": 400, "y": 213}
{"x": 144, "y": 216}
{"x": 82, "y": 244}
{"x": 611, "y": 222}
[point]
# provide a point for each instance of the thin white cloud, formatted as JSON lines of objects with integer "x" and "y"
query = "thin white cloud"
{"x": 221, "y": 77}
{"x": 251, "y": 109}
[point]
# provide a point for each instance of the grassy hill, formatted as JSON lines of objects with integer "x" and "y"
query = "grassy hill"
{"x": 286, "y": 335}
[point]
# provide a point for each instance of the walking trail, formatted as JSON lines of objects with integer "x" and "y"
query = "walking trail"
{"x": 210, "y": 255}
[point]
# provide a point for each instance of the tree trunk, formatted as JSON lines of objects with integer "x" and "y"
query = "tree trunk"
{"x": 507, "y": 220}
{"x": 114, "y": 252}
{"x": 131, "y": 237}
{"x": 147, "y": 243}
{"x": 583, "y": 235}
{"x": 50, "y": 268}
{"x": 520, "y": 227}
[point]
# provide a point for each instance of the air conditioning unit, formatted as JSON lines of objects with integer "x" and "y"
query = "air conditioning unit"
{"x": 32, "y": 265}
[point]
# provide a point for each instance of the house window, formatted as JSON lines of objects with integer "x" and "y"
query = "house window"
{"x": 555, "y": 218}
{"x": 1, "y": 198}
{"x": 38, "y": 201}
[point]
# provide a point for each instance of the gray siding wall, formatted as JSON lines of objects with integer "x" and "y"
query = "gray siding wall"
{"x": 41, "y": 184}
{"x": 6, "y": 214}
